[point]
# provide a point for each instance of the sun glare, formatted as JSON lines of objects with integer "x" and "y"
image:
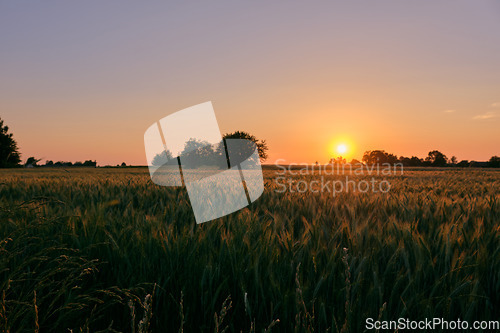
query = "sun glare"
{"x": 341, "y": 148}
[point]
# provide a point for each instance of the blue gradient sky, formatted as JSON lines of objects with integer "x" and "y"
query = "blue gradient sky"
{"x": 83, "y": 80}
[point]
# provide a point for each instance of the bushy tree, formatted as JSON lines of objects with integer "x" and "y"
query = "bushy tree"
{"x": 90, "y": 163}
{"x": 198, "y": 153}
{"x": 262, "y": 147}
{"x": 494, "y": 162}
{"x": 379, "y": 157}
{"x": 436, "y": 158}
{"x": 31, "y": 161}
{"x": 413, "y": 161}
{"x": 9, "y": 154}
{"x": 162, "y": 158}
{"x": 337, "y": 160}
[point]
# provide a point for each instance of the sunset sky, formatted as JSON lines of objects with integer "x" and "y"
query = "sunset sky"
{"x": 84, "y": 80}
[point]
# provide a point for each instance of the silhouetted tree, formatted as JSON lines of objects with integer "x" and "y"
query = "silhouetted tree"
{"x": 404, "y": 160}
{"x": 9, "y": 154}
{"x": 494, "y": 162}
{"x": 379, "y": 157}
{"x": 413, "y": 161}
{"x": 436, "y": 158}
{"x": 453, "y": 160}
{"x": 337, "y": 160}
{"x": 197, "y": 153}
{"x": 463, "y": 164}
{"x": 123, "y": 164}
{"x": 162, "y": 158}
{"x": 31, "y": 161}
{"x": 240, "y": 152}
{"x": 49, "y": 163}
{"x": 478, "y": 164}
{"x": 89, "y": 163}
{"x": 193, "y": 145}
{"x": 262, "y": 147}
{"x": 63, "y": 164}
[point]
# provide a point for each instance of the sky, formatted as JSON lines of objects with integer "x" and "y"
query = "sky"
{"x": 84, "y": 80}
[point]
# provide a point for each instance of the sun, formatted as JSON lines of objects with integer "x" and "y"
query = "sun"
{"x": 342, "y": 146}
{"x": 341, "y": 149}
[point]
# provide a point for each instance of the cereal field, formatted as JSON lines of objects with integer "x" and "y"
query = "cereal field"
{"x": 105, "y": 249}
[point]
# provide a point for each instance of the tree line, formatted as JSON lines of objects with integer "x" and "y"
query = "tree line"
{"x": 434, "y": 158}
{"x": 11, "y": 158}
{"x": 49, "y": 163}
{"x": 194, "y": 153}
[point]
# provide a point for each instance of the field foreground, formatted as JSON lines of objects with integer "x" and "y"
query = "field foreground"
{"x": 106, "y": 249}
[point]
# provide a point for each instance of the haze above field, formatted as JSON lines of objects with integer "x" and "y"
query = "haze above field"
{"x": 84, "y": 80}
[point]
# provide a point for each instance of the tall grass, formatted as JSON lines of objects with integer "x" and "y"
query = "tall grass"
{"x": 107, "y": 250}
